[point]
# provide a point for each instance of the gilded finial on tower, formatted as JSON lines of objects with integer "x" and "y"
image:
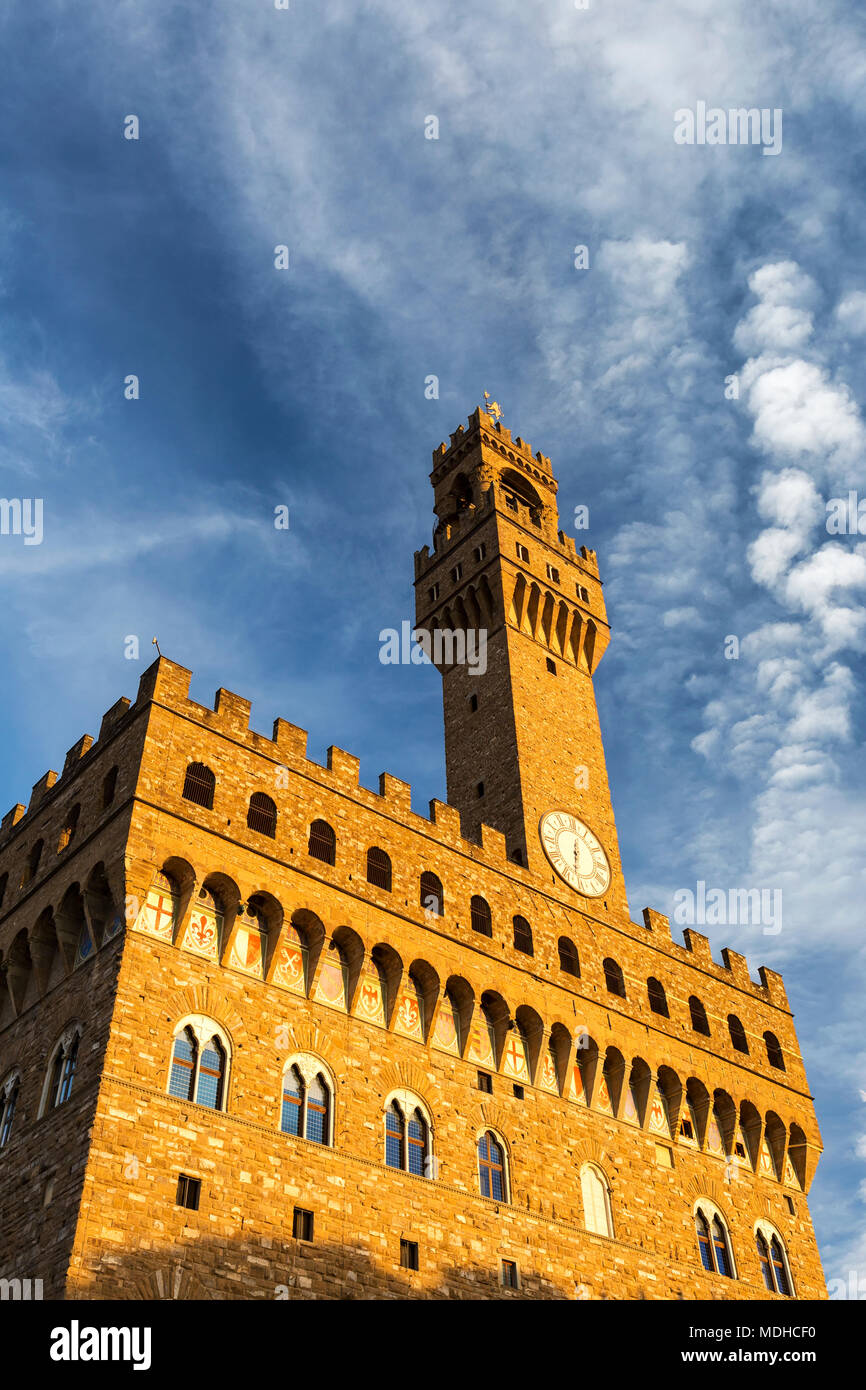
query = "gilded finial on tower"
{"x": 156, "y": 644}
{"x": 493, "y": 408}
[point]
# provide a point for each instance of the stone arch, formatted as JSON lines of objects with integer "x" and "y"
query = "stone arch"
{"x": 531, "y": 1025}
{"x": 751, "y": 1128}
{"x": 98, "y": 902}
{"x": 699, "y": 1102}
{"x": 427, "y": 983}
{"x": 45, "y": 952}
{"x": 614, "y": 1072}
{"x": 638, "y": 1090}
{"x": 797, "y": 1153}
{"x": 348, "y": 942}
{"x": 20, "y": 980}
{"x": 498, "y": 1013}
{"x": 776, "y": 1137}
{"x": 390, "y": 964}
{"x": 70, "y": 922}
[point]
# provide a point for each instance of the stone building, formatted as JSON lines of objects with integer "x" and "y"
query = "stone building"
{"x": 265, "y": 1033}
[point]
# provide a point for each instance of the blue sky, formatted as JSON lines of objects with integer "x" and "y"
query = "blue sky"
{"x": 455, "y": 257}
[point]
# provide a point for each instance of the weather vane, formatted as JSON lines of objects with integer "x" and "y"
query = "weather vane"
{"x": 493, "y": 408}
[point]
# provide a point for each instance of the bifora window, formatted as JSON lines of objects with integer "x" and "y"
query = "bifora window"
{"x": 713, "y": 1245}
{"x": 199, "y": 1064}
{"x": 407, "y": 1137}
{"x": 305, "y": 1110}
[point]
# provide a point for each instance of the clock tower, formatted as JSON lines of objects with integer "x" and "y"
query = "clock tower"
{"x": 516, "y": 622}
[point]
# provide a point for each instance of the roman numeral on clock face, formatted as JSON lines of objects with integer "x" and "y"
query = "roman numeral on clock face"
{"x": 561, "y": 833}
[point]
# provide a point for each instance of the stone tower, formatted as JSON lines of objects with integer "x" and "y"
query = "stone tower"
{"x": 523, "y": 739}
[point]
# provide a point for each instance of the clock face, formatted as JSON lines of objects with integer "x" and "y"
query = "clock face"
{"x": 575, "y": 853}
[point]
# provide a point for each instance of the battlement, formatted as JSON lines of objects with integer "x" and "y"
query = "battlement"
{"x": 478, "y": 422}
{"x": 167, "y": 684}
{"x": 50, "y": 784}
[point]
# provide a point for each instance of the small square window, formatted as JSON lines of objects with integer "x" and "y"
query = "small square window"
{"x": 473, "y": 703}
{"x": 485, "y": 1082}
{"x": 551, "y": 665}
{"x": 791, "y": 1208}
{"x": 457, "y": 573}
{"x": 686, "y": 1131}
{"x": 479, "y": 790}
{"x": 582, "y": 593}
{"x": 510, "y": 1277}
{"x": 408, "y": 1254}
{"x": 479, "y": 552}
{"x": 511, "y": 502}
{"x": 302, "y": 1224}
{"x": 434, "y": 593}
{"x": 518, "y": 1091}
{"x": 188, "y": 1192}
{"x": 553, "y": 574}
{"x": 522, "y": 553}
{"x": 664, "y": 1156}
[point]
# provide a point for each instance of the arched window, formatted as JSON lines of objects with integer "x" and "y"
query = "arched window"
{"x": 199, "y": 785}
{"x": 211, "y": 1074}
{"x": 181, "y": 1081}
{"x": 306, "y": 1108}
{"x": 262, "y": 814}
{"x": 568, "y": 957}
{"x": 199, "y": 1063}
{"x": 432, "y": 897}
{"x": 317, "y": 1111}
{"x": 109, "y": 787}
{"x": 657, "y": 998}
{"x": 764, "y": 1261}
{"x": 479, "y": 912}
{"x": 323, "y": 842}
{"x": 416, "y": 1143}
{"x": 738, "y": 1034}
{"x": 774, "y": 1051}
{"x": 8, "y": 1100}
{"x": 700, "y": 1022}
{"x": 395, "y": 1148}
{"x": 379, "y": 869}
{"x": 522, "y": 935}
{"x": 61, "y": 1071}
{"x": 779, "y": 1266}
{"x": 773, "y": 1260}
{"x": 491, "y": 1167}
{"x": 596, "y": 1200}
{"x": 70, "y": 825}
{"x": 291, "y": 1117}
{"x": 613, "y": 978}
{"x": 407, "y": 1135}
{"x": 713, "y": 1243}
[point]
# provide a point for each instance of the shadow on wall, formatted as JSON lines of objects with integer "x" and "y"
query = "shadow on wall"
{"x": 282, "y": 1270}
